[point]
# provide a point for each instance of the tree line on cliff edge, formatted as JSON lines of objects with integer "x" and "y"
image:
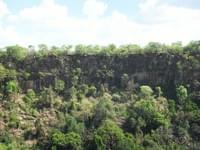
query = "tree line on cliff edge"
{"x": 20, "y": 52}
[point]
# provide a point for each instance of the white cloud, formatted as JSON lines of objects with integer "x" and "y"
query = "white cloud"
{"x": 9, "y": 36}
{"x": 167, "y": 23}
{"x": 7, "y": 32}
{"x": 3, "y": 9}
{"x": 94, "y": 8}
{"x": 51, "y": 23}
{"x": 157, "y": 11}
{"x": 47, "y": 10}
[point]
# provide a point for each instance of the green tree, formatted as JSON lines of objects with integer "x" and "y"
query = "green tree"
{"x": 71, "y": 93}
{"x": 103, "y": 110}
{"x": 146, "y": 115}
{"x": 46, "y": 98}
{"x": 30, "y": 97}
{"x": 182, "y": 94}
{"x": 130, "y": 49}
{"x": 158, "y": 91}
{"x": 17, "y": 52}
{"x": 73, "y": 126}
{"x": 124, "y": 80}
{"x": 71, "y": 141}
{"x": 110, "y": 136}
{"x": 146, "y": 91}
{"x": 12, "y": 87}
{"x": 42, "y": 50}
{"x": 193, "y": 47}
{"x": 109, "y": 50}
{"x": 59, "y": 85}
{"x": 155, "y": 47}
{"x": 3, "y": 72}
{"x": 80, "y": 49}
{"x": 175, "y": 47}
{"x": 39, "y": 126}
{"x": 92, "y": 90}
{"x": 3, "y": 146}
{"x": 66, "y": 49}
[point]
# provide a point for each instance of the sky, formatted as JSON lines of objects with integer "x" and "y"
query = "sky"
{"x": 58, "y": 22}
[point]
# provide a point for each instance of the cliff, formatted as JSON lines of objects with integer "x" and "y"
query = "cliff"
{"x": 165, "y": 70}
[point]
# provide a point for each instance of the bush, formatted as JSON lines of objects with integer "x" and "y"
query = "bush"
{"x": 59, "y": 85}
{"x": 92, "y": 90}
{"x": 46, "y": 98}
{"x": 70, "y": 141}
{"x": 116, "y": 97}
{"x": 29, "y": 97}
{"x": 146, "y": 91}
{"x": 11, "y": 87}
{"x": 17, "y": 52}
{"x": 14, "y": 121}
{"x": 110, "y": 136}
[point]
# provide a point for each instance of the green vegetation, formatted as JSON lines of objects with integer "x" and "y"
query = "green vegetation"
{"x": 100, "y": 98}
{"x": 17, "y": 52}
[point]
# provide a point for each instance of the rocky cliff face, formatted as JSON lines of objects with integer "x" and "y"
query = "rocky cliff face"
{"x": 165, "y": 70}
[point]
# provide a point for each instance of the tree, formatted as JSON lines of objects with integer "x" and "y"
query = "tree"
{"x": 124, "y": 80}
{"x": 17, "y": 52}
{"x": 193, "y": 47}
{"x": 6, "y": 73}
{"x": 80, "y": 49}
{"x": 11, "y": 87}
{"x": 158, "y": 91}
{"x": 73, "y": 126}
{"x": 71, "y": 93}
{"x": 146, "y": 91}
{"x": 59, "y": 85}
{"x": 30, "y": 97}
{"x": 92, "y": 90}
{"x": 154, "y": 47}
{"x": 108, "y": 50}
{"x": 3, "y": 72}
{"x": 66, "y": 49}
{"x": 110, "y": 136}
{"x": 130, "y": 49}
{"x": 3, "y": 146}
{"x": 103, "y": 110}
{"x": 42, "y": 50}
{"x": 182, "y": 94}
{"x": 175, "y": 47}
{"x": 116, "y": 97}
{"x": 71, "y": 141}
{"x": 39, "y": 126}
{"x": 146, "y": 115}
{"x": 46, "y": 98}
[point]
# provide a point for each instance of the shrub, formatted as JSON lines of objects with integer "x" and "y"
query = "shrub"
{"x": 29, "y": 97}
{"x": 70, "y": 141}
{"x": 59, "y": 85}
{"x": 17, "y": 52}
{"x": 12, "y": 87}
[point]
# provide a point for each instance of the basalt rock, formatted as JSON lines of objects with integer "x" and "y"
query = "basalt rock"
{"x": 165, "y": 70}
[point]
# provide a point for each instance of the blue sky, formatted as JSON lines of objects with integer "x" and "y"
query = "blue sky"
{"x": 58, "y": 22}
{"x": 126, "y": 6}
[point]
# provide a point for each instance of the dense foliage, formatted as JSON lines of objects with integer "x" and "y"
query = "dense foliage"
{"x": 77, "y": 115}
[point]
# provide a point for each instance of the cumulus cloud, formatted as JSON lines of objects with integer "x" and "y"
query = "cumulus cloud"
{"x": 51, "y": 23}
{"x": 167, "y": 23}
